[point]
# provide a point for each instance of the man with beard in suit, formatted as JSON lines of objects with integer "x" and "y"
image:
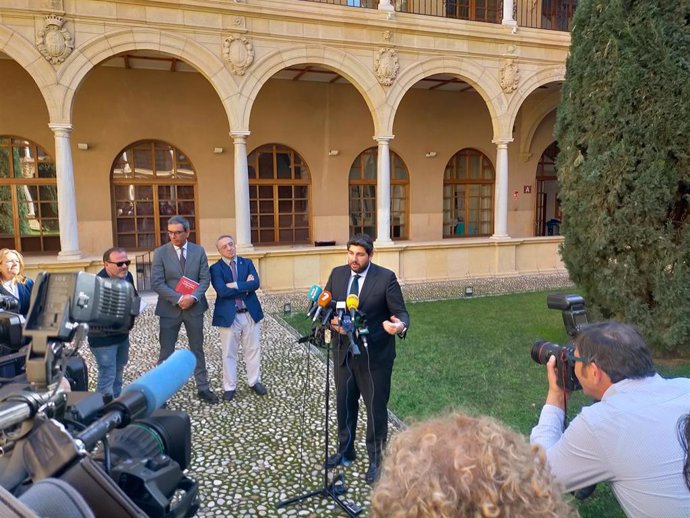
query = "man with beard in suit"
{"x": 369, "y": 373}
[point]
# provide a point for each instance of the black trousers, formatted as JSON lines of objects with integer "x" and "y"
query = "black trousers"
{"x": 353, "y": 378}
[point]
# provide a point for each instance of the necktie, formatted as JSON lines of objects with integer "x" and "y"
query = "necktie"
{"x": 239, "y": 303}
{"x": 354, "y": 287}
{"x": 183, "y": 261}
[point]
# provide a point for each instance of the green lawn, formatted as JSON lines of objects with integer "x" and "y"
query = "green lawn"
{"x": 474, "y": 355}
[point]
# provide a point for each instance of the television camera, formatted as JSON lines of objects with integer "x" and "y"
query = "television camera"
{"x": 49, "y": 434}
{"x": 574, "y": 317}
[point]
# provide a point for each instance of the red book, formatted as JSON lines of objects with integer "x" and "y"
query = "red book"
{"x": 186, "y": 286}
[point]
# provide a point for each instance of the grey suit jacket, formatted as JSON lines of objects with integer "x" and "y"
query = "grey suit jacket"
{"x": 166, "y": 272}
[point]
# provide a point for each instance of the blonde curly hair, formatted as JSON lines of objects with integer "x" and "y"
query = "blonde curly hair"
{"x": 463, "y": 466}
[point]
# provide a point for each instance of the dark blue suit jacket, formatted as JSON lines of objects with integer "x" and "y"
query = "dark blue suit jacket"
{"x": 24, "y": 290}
{"x": 224, "y": 310}
{"x": 379, "y": 298}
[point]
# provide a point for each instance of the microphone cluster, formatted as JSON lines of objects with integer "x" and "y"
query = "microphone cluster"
{"x": 322, "y": 308}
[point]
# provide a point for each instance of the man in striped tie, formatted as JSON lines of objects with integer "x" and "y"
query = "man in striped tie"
{"x": 238, "y": 315}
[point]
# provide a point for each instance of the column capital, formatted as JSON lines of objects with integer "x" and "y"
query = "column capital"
{"x": 240, "y": 135}
{"x": 503, "y": 141}
{"x": 60, "y": 126}
{"x": 383, "y": 138}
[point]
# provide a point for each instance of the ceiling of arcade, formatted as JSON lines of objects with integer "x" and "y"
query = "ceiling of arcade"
{"x": 151, "y": 60}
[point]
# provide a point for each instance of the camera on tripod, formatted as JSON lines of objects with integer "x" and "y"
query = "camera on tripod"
{"x": 574, "y": 317}
{"x": 46, "y": 433}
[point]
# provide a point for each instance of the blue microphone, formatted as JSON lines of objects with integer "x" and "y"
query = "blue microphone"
{"x": 160, "y": 383}
{"x": 141, "y": 397}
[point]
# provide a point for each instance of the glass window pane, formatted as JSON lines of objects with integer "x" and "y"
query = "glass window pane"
{"x": 164, "y": 161}
{"x": 266, "y": 166}
{"x": 4, "y": 162}
{"x": 46, "y": 170}
{"x": 143, "y": 166}
{"x": 369, "y": 166}
{"x": 283, "y": 169}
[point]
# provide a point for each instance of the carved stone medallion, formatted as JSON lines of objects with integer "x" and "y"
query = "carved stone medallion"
{"x": 386, "y": 66}
{"x": 239, "y": 53}
{"x": 510, "y": 76}
{"x": 54, "y": 41}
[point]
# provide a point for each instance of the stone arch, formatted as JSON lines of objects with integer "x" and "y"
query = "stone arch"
{"x": 341, "y": 62}
{"x": 531, "y": 123}
{"x": 25, "y": 53}
{"x": 479, "y": 77}
{"x": 542, "y": 77}
{"x": 85, "y": 57}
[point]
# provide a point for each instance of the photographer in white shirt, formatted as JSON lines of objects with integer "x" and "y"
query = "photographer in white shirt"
{"x": 629, "y": 436}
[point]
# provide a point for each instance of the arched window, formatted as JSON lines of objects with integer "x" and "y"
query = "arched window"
{"x": 151, "y": 181}
{"x": 28, "y": 197}
{"x": 278, "y": 196}
{"x": 548, "y": 211}
{"x": 363, "y": 195}
{"x": 468, "y": 195}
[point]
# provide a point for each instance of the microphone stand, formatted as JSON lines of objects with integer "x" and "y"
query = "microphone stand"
{"x": 328, "y": 489}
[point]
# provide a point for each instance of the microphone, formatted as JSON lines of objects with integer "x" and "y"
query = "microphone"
{"x": 348, "y": 325}
{"x": 328, "y": 314}
{"x": 340, "y": 307}
{"x": 141, "y": 397}
{"x": 324, "y": 300}
{"x": 313, "y": 295}
{"x": 352, "y": 305}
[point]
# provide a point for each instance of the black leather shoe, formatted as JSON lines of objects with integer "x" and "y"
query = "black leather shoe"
{"x": 338, "y": 459}
{"x": 259, "y": 389}
{"x": 372, "y": 474}
{"x": 228, "y": 395}
{"x": 208, "y": 396}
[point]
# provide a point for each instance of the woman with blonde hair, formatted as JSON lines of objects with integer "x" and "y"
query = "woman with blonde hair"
{"x": 462, "y": 466}
{"x": 13, "y": 282}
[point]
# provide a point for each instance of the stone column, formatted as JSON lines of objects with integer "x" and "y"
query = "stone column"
{"x": 383, "y": 191}
{"x": 508, "y": 13}
{"x": 67, "y": 202}
{"x": 385, "y": 5}
{"x": 243, "y": 229}
{"x": 501, "y": 195}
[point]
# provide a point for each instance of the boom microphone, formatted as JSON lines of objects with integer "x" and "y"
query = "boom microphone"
{"x": 313, "y": 296}
{"x": 141, "y": 397}
{"x": 323, "y": 301}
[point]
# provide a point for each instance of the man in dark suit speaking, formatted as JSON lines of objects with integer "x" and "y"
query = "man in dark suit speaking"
{"x": 179, "y": 274}
{"x": 238, "y": 315}
{"x": 369, "y": 373}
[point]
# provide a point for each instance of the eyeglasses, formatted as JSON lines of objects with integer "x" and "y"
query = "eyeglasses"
{"x": 573, "y": 358}
{"x": 176, "y": 232}
{"x": 120, "y": 264}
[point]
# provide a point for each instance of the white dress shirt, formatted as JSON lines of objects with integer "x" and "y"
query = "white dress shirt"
{"x": 629, "y": 438}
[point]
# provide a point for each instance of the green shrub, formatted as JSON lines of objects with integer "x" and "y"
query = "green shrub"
{"x": 624, "y": 166}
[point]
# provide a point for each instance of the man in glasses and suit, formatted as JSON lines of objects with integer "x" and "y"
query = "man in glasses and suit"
{"x": 180, "y": 276}
{"x": 111, "y": 351}
{"x": 238, "y": 315}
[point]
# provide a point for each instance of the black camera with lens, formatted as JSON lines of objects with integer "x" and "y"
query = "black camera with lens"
{"x": 122, "y": 459}
{"x": 574, "y": 317}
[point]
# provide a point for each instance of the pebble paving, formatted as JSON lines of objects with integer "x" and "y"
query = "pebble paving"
{"x": 253, "y": 452}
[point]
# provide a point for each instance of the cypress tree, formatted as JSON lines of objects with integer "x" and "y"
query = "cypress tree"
{"x": 623, "y": 129}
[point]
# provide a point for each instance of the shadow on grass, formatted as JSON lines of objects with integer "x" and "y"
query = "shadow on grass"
{"x": 473, "y": 355}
